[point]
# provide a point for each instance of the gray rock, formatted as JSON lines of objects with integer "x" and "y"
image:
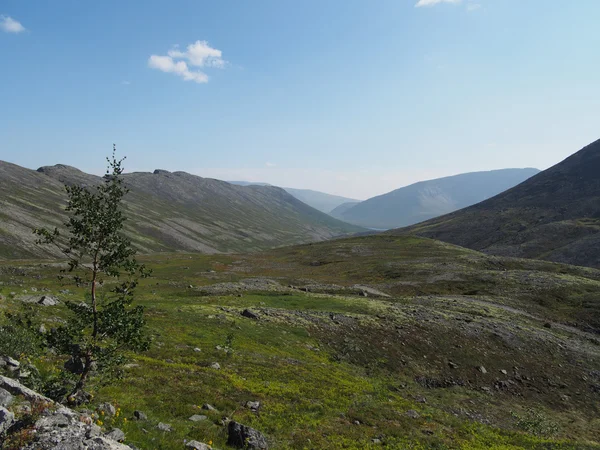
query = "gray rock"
{"x": 215, "y": 365}
{"x": 250, "y": 314}
{"x": 56, "y": 420}
{"x": 198, "y": 418}
{"x": 413, "y": 414}
{"x": 164, "y": 427}
{"x": 16, "y": 388}
{"x": 7, "y": 418}
{"x": 11, "y": 362}
{"x": 108, "y": 409}
{"x": 195, "y": 445}
{"x": 197, "y": 349}
{"x": 46, "y": 300}
{"x": 452, "y": 365}
{"x": 116, "y": 435}
{"x": 207, "y": 407}
{"x": 482, "y": 369}
{"x": 504, "y": 372}
{"x": 254, "y": 406}
{"x": 241, "y": 436}
{"x": 138, "y": 415}
{"x": 5, "y": 397}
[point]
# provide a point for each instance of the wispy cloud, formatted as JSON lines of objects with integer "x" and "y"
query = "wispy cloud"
{"x": 125, "y": 82}
{"x": 270, "y": 164}
{"x": 198, "y": 54}
{"x": 422, "y": 3}
{"x": 10, "y": 25}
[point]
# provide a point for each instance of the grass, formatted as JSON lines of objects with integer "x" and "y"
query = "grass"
{"x": 341, "y": 371}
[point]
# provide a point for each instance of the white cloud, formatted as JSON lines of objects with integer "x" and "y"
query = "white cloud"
{"x": 422, "y": 3}
{"x": 198, "y": 54}
{"x": 10, "y": 25}
{"x": 125, "y": 82}
{"x": 270, "y": 164}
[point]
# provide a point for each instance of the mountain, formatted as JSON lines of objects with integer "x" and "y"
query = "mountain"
{"x": 168, "y": 212}
{"x": 428, "y": 199}
{"x": 554, "y": 215}
{"x": 319, "y": 200}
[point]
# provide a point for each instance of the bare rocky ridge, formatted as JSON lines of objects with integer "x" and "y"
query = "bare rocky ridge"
{"x": 168, "y": 212}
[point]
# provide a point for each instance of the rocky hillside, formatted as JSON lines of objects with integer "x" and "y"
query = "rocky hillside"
{"x": 169, "y": 212}
{"x": 428, "y": 199}
{"x": 554, "y": 215}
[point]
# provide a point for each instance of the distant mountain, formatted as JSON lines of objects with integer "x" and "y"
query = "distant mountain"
{"x": 168, "y": 212}
{"x": 554, "y": 215}
{"x": 428, "y": 199}
{"x": 318, "y": 200}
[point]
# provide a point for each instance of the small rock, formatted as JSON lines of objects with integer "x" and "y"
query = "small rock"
{"x": 215, "y": 366}
{"x": 249, "y": 314}
{"x": 421, "y": 400}
{"x": 47, "y": 301}
{"x": 116, "y": 435}
{"x": 11, "y": 362}
{"x": 108, "y": 409}
{"x": 195, "y": 445}
{"x": 197, "y": 350}
{"x": 241, "y": 436}
{"x": 482, "y": 369}
{"x": 504, "y": 372}
{"x": 452, "y": 365}
{"x": 376, "y": 441}
{"x": 413, "y": 414}
{"x": 139, "y": 415}
{"x": 207, "y": 407}
{"x": 6, "y": 398}
{"x": 254, "y": 406}
{"x": 197, "y": 418}
{"x": 164, "y": 427}
{"x": 356, "y": 422}
{"x": 547, "y": 325}
{"x": 7, "y": 418}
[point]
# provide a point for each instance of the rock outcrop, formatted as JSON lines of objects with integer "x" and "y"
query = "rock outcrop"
{"x": 56, "y": 427}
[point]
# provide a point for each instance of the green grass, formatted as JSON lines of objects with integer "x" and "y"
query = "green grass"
{"x": 321, "y": 363}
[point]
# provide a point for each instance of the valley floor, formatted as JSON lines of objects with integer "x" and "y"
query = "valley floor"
{"x": 370, "y": 342}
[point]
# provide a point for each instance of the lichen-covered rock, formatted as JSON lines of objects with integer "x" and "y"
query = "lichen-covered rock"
{"x": 5, "y": 397}
{"x": 195, "y": 445}
{"x": 7, "y": 418}
{"x": 58, "y": 428}
{"x": 241, "y": 436}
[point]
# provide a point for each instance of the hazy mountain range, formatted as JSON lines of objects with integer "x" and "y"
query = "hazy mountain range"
{"x": 554, "y": 215}
{"x": 428, "y": 199}
{"x": 319, "y": 200}
{"x": 168, "y": 212}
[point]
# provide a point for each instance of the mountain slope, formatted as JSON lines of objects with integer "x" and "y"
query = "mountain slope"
{"x": 168, "y": 212}
{"x": 432, "y": 198}
{"x": 554, "y": 215}
{"x": 319, "y": 200}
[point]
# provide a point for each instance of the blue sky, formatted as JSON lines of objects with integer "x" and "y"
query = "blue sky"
{"x": 346, "y": 96}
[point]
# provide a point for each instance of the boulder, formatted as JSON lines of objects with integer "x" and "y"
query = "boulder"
{"x": 207, "y": 407}
{"x": 46, "y": 300}
{"x": 215, "y": 365}
{"x": 138, "y": 415}
{"x": 164, "y": 427}
{"x": 250, "y": 314}
{"x": 254, "y": 406}
{"x": 116, "y": 435}
{"x": 241, "y": 436}
{"x": 198, "y": 418}
{"x": 7, "y": 418}
{"x": 5, "y": 397}
{"x": 413, "y": 414}
{"x": 108, "y": 409}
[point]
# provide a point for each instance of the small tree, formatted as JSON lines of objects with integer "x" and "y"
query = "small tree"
{"x": 103, "y": 326}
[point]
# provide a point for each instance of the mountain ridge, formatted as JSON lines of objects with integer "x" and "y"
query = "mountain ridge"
{"x": 169, "y": 211}
{"x": 554, "y": 215}
{"x": 427, "y": 199}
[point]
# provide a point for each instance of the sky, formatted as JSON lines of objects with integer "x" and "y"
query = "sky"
{"x": 350, "y": 97}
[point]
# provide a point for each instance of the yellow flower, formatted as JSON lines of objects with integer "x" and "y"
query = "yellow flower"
{"x": 125, "y": 419}
{"x": 209, "y": 442}
{"x": 101, "y": 413}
